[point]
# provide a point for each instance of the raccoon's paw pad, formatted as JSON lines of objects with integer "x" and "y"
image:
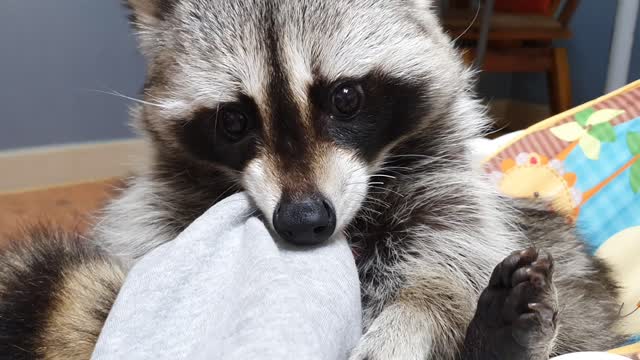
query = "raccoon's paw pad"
{"x": 520, "y": 301}
{"x": 535, "y": 326}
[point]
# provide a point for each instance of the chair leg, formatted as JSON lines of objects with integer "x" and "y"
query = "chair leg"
{"x": 559, "y": 81}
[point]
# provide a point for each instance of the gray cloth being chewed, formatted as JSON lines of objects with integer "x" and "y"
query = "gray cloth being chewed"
{"x": 224, "y": 289}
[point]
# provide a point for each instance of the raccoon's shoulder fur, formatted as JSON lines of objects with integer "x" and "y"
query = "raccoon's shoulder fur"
{"x": 56, "y": 290}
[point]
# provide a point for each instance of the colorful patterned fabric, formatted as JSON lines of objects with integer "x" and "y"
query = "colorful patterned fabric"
{"x": 586, "y": 162}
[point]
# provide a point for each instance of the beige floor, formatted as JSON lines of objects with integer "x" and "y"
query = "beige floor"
{"x": 69, "y": 206}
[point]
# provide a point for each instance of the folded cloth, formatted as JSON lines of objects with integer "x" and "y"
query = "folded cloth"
{"x": 225, "y": 289}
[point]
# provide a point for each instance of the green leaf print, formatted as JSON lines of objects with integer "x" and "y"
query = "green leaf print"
{"x": 583, "y": 116}
{"x": 603, "y": 132}
{"x": 633, "y": 141}
{"x": 635, "y": 177}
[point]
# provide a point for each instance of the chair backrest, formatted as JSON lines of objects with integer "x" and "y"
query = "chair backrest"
{"x": 564, "y": 10}
{"x": 555, "y": 6}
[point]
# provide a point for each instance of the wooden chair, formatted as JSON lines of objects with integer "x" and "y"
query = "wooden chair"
{"x": 520, "y": 43}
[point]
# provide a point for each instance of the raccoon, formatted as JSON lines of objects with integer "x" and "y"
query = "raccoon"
{"x": 335, "y": 116}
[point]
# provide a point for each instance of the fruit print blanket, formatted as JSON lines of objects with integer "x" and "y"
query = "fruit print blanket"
{"x": 586, "y": 162}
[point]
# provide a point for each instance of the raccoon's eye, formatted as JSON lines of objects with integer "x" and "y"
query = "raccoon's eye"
{"x": 346, "y": 100}
{"x": 235, "y": 123}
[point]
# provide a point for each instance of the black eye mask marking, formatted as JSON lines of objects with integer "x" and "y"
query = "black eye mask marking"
{"x": 387, "y": 108}
{"x": 364, "y": 114}
{"x": 225, "y": 135}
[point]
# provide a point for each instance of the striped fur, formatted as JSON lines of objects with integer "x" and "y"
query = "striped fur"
{"x": 55, "y": 293}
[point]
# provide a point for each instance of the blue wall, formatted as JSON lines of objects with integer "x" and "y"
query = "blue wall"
{"x": 53, "y": 55}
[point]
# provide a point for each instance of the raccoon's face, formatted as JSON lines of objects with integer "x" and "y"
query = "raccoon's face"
{"x": 299, "y": 101}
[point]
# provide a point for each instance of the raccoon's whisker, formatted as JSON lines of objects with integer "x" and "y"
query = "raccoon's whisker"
{"x": 21, "y": 349}
{"x": 388, "y": 168}
{"x": 415, "y": 156}
{"x": 383, "y": 175}
{"x": 351, "y": 184}
{"x": 178, "y": 175}
{"x": 379, "y": 188}
{"x": 370, "y": 198}
{"x": 233, "y": 187}
{"x": 395, "y": 172}
{"x": 387, "y": 190}
{"x": 357, "y": 182}
{"x": 377, "y": 202}
{"x": 428, "y": 159}
{"x": 418, "y": 156}
{"x": 368, "y": 209}
{"x": 215, "y": 122}
{"x": 366, "y": 214}
{"x": 377, "y": 192}
{"x": 492, "y": 130}
{"x": 117, "y": 94}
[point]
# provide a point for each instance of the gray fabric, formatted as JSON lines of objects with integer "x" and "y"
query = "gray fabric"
{"x": 225, "y": 290}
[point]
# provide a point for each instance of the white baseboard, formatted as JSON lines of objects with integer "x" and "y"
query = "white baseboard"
{"x": 41, "y": 167}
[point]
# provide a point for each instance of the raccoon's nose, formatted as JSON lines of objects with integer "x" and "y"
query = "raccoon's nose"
{"x": 308, "y": 221}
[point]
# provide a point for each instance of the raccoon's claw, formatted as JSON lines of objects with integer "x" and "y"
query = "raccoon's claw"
{"x": 516, "y": 314}
{"x": 503, "y": 273}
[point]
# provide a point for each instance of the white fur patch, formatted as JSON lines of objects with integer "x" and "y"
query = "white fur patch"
{"x": 343, "y": 179}
{"x": 298, "y": 72}
{"x": 260, "y": 181}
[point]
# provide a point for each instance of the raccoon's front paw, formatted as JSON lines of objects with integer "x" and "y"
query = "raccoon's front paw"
{"x": 516, "y": 314}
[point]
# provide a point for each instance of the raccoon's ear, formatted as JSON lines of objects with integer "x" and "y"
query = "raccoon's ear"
{"x": 149, "y": 12}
